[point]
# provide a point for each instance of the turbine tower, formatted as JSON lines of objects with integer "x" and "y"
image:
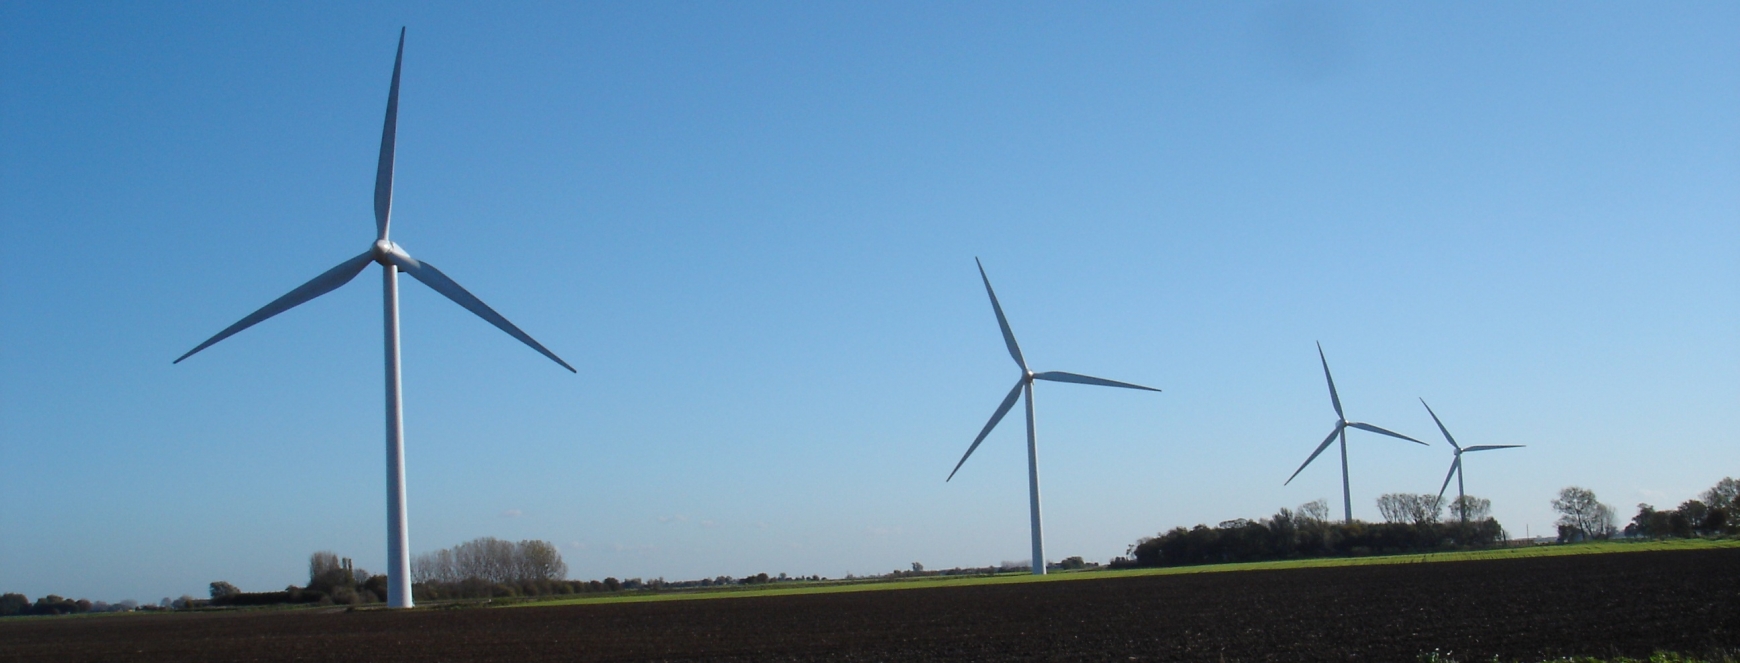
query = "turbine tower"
{"x": 1024, "y": 385}
{"x": 392, "y": 260}
{"x": 1456, "y": 465}
{"x": 1341, "y": 426}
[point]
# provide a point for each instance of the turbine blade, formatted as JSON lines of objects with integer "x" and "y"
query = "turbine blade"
{"x": 440, "y": 282}
{"x": 1060, "y": 376}
{"x": 327, "y": 282}
{"x": 1008, "y": 336}
{"x": 1375, "y": 429}
{"x": 1008, "y": 402}
{"x": 1333, "y": 397}
{"x": 1453, "y": 467}
{"x": 384, "y": 170}
{"x": 1489, "y": 447}
{"x": 1440, "y": 425}
{"x": 1314, "y": 454}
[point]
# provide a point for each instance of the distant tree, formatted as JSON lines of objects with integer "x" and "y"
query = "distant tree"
{"x": 917, "y": 567}
{"x": 1072, "y": 563}
{"x": 1581, "y": 515}
{"x": 540, "y": 560}
{"x": 56, "y": 605}
{"x": 1694, "y": 512}
{"x": 331, "y": 581}
{"x": 1471, "y": 508}
{"x": 1409, "y": 508}
{"x": 1314, "y": 512}
{"x": 14, "y": 604}
{"x": 321, "y": 563}
{"x": 1649, "y": 522}
{"x": 1723, "y": 495}
{"x": 221, "y": 589}
{"x": 492, "y": 560}
{"x": 612, "y": 584}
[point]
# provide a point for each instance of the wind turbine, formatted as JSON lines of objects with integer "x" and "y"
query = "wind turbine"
{"x": 1341, "y": 426}
{"x": 1025, "y": 385}
{"x": 1456, "y": 465}
{"x": 392, "y": 260}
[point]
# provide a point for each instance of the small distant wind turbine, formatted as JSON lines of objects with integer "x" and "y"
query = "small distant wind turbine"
{"x": 392, "y": 260}
{"x": 1341, "y": 426}
{"x": 1025, "y": 385}
{"x": 1456, "y": 465}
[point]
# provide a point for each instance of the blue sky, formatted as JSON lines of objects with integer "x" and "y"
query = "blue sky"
{"x": 752, "y": 228}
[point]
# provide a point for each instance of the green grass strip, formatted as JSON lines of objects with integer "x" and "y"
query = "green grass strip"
{"x": 799, "y": 588}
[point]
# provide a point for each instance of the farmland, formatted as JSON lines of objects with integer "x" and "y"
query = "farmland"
{"x": 1516, "y": 605}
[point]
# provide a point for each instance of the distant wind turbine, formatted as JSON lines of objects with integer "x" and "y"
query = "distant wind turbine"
{"x": 1025, "y": 385}
{"x": 1341, "y": 426}
{"x": 1456, "y": 465}
{"x": 392, "y": 260}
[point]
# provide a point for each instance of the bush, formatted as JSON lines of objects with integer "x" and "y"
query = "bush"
{"x": 222, "y": 589}
{"x": 1286, "y": 536}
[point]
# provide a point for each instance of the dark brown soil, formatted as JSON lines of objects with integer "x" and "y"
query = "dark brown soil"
{"x": 1525, "y": 609}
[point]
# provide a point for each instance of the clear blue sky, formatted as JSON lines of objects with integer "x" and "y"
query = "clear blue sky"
{"x": 752, "y": 228}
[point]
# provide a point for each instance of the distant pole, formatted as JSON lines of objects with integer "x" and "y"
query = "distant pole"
{"x": 1033, "y": 485}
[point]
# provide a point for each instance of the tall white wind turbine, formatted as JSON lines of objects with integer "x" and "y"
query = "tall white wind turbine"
{"x": 1025, "y": 385}
{"x": 392, "y": 260}
{"x": 1456, "y": 465}
{"x": 1341, "y": 426}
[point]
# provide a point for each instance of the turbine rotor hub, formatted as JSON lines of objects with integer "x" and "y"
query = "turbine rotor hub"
{"x": 383, "y": 249}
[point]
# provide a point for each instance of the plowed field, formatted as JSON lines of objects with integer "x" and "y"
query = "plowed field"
{"x": 1525, "y": 609}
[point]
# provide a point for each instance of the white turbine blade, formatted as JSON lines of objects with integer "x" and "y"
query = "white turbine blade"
{"x": 1440, "y": 425}
{"x": 1314, "y": 454}
{"x": 1008, "y": 402}
{"x": 319, "y": 285}
{"x": 1060, "y": 376}
{"x": 384, "y": 170}
{"x": 1333, "y": 397}
{"x": 1002, "y": 322}
{"x": 439, "y": 282}
{"x": 1490, "y": 447}
{"x": 1453, "y": 467}
{"x": 1375, "y": 429}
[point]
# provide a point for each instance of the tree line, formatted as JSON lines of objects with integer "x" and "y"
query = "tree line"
{"x": 1713, "y": 513}
{"x": 489, "y": 567}
{"x": 1412, "y": 524}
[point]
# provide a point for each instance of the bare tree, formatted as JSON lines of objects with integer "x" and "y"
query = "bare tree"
{"x": 1409, "y": 508}
{"x": 1315, "y": 512}
{"x": 492, "y": 560}
{"x": 1581, "y": 515}
{"x": 541, "y": 561}
{"x": 1469, "y": 507}
{"x": 321, "y": 563}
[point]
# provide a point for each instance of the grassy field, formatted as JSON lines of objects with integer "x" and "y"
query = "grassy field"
{"x": 827, "y": 587}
